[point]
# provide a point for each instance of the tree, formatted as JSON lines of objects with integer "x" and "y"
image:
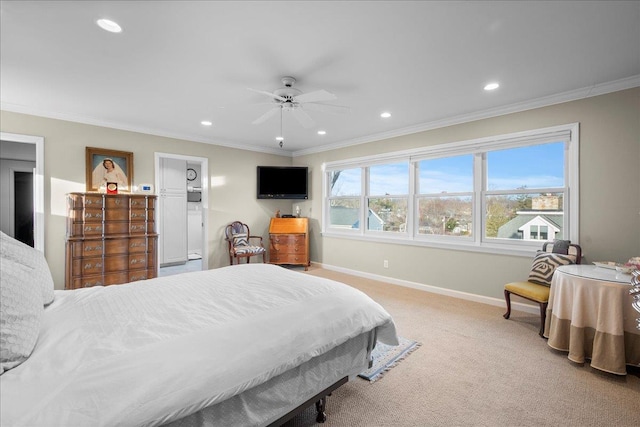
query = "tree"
{"x": 498, "y": 214}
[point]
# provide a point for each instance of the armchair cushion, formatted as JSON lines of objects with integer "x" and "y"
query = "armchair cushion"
{"x": 249, "y": 249}
{"x": 529, "y": 290}
{"x": 545, "y": 263}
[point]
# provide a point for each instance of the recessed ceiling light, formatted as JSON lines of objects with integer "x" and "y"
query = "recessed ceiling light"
{"x": 385, "y": 115}
{"x": 492, "y": 86}
{"x": 109, "y": 25}
{"x": 279, "y": 138}
{"x": 206, "y": 123}
{"x": 322, "y": 132}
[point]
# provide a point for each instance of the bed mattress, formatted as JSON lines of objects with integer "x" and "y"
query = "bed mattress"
{"x": 155, "y": 351}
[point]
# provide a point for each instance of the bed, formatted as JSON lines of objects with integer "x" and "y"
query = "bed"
{"x": 246, "y": 345}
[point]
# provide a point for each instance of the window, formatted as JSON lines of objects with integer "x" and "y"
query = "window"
{"x": 525, "y": 192}
{"x": 387, "y": 197}
{"x": 501, "y": 193}
{"x": 445, "y": 196}
{"x": 345, "y": 188}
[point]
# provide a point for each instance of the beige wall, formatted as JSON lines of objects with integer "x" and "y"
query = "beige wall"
{"x": 609, "y": 197}
{"x": 64, "y": 154}
{"x": 609, "y": 190}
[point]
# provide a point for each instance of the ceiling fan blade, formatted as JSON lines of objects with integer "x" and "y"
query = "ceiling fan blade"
{"x": 266, "y": 116}
{"x": 328, "y": 108}
{"x": 264, "y": 92}
{"x": 305, "y": 120}
{"x": 316, "y": 96}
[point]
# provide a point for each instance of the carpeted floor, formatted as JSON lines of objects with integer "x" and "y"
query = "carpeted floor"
{"x": 475, "y": 368}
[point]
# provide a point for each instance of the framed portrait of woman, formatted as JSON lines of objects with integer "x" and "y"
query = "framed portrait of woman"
{"x": 109, "y": 166}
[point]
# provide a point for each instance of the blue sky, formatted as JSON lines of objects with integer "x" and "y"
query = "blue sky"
{"x": 539, "y": 166}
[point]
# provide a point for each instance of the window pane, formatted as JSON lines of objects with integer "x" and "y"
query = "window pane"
{"x": 389, "y": 179}
{"x": 536, "y": 166}
{"x": 525, "y": 216}
{"x": 446, "y": 175}
{"x": 387, "y": 214}
{"x": 346, "y": 182}
{"x": 344, "y": 213}
{"x": 450, "y": 216}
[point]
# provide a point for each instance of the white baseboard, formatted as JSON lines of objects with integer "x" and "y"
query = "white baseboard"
{"x": 434, "y": 289}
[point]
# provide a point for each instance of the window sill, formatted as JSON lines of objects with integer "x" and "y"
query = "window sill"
{"x": 488, "y": 248}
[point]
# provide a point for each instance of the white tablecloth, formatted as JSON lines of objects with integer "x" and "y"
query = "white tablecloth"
{"x": 590, "y": 316}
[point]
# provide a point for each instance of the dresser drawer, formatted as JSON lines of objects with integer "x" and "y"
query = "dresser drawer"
{"x": 138, "y": 215}
{"x": 88, "y": 266}
{"x": 138, "y": 227}
{"x": 86, "y": 215}
{"x": 138, "y": 245}
{"x": 116, "y": 227}
{"x": 137, "y": 261}
{"x": 80, "y": 201}
{"x": 116, "y": 215}
{"x": 87, "y": 282}
{"x": 289, "y": 249}
{"x": 82, "y": 229}
{"x": 134, "y": 276}
{"x": 116, "y": 263}
{"x": 142, "y": 202}
{"x": 116, "y": 202}
{"x": 87, "y": 248}
{"x": 100, "y": 280}
{"x": 281, "y": 258}
{"x": 288, "y": 239}
{"x": 92, "y": 215}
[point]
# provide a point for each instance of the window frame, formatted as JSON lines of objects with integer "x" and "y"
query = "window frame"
{"x": 568, "y": 134}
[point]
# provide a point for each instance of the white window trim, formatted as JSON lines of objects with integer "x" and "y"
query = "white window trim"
{"x": 568, "y": 132}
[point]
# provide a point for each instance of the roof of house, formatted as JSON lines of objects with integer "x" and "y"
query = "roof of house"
{"x": 510, "y": 229}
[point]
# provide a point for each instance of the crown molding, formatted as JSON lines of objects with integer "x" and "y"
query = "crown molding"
{"x": 573, "y": 95}
{"x": 15, "y": 108}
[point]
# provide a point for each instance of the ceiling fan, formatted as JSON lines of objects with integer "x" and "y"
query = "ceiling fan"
{"x": 288, "y": 98}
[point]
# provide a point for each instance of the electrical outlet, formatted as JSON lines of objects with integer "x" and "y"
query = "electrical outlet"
{"x": 386, "y": 263}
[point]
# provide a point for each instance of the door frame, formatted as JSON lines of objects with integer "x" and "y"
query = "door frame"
{"x": 38, "y": 183}
{"x": 204, "y": 183}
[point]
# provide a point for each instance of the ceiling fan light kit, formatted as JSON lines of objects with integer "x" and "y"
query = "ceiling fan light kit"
{"x": 293, "y": 100}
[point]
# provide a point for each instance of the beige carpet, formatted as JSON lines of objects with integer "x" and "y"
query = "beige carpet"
{"x": 475, "y": 368}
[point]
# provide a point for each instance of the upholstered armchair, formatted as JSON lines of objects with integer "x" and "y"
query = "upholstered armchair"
{"x": 536, "y": 287}
{"x": 242, "y": 244}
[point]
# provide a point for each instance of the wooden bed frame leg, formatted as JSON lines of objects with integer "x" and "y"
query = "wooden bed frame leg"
{"x": 320, "y": 407}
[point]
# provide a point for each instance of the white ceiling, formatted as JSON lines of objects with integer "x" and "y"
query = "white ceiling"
{"x": 178, "y": 63}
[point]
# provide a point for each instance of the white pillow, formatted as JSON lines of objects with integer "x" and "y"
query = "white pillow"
{"x": 21, "y": 253}
{"x": 21, "y": 312}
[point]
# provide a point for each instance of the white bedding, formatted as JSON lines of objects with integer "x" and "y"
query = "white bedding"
{"x": 151, "y": 352}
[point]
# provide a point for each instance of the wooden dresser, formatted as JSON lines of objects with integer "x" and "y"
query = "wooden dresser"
{"x": 111, "y": 239}
{"x": 289, "y": 241}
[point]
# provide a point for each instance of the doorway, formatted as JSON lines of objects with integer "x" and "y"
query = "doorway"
{"x": 188, "y": 192}
{"x": 23, "y": 206}
{"x": 22, "y": 169}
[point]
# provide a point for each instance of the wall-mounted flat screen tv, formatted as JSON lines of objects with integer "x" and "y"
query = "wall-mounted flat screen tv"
{"x": 282, "y": 182}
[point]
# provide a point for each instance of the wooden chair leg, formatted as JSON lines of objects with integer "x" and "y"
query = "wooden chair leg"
{"x": 507, "y": 298}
